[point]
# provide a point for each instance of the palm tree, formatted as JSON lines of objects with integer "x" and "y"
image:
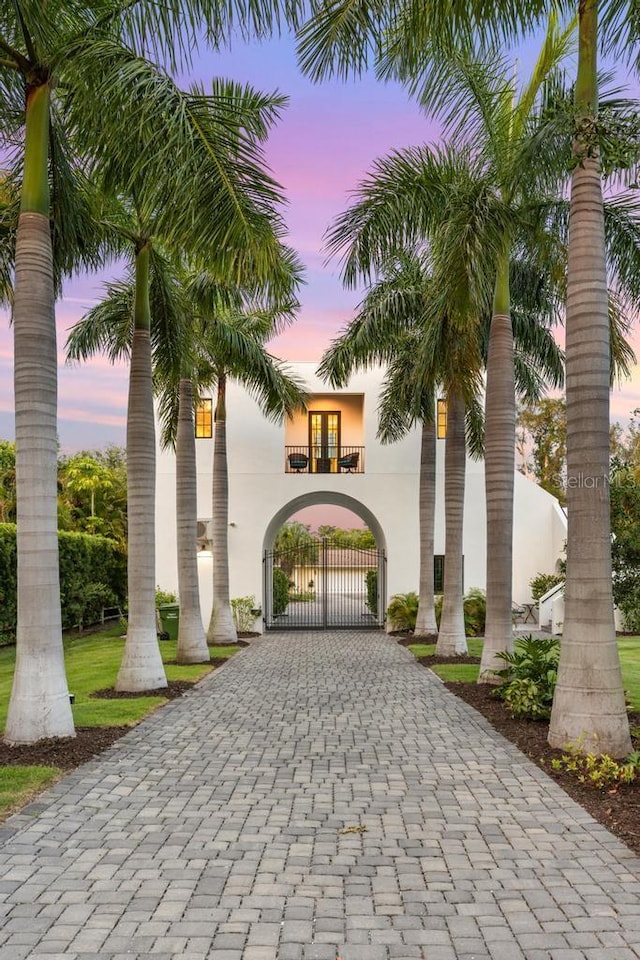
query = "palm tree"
{"x": 233, "y": 348}
{"x": 75, "y": 64}
{"x": 403, "y": 323}
{"x": 589, "y": 703}
{"x": 344, "y": 37}
{"x": 221, "y": 195}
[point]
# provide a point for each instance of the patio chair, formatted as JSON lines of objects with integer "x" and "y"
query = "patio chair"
{"x": 349, "y": 463}
{"x": 298, "y": 461}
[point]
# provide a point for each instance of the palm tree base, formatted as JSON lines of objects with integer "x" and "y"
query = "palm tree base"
{"x": 141, "y": 667}
{"x": 41, "y": 715}
{"x": 222, "y": 628}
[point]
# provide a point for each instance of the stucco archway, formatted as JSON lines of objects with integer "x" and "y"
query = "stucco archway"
{"x": 336, "y": 603}
{"x": 317, "y": 498}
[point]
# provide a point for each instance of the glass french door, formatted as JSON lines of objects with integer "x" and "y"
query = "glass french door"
{"x": 324, "y": 441}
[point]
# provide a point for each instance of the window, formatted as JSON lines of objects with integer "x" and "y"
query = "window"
{"x": 441, "y": 422}
{"x": 438, "y": 573}
{"x": 204, "y": 419}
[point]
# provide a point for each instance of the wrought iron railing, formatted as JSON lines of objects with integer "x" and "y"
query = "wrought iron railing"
{"x": 324, "y": 459}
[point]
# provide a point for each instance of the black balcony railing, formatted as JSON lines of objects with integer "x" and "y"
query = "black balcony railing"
{"x": 342, "y": 459}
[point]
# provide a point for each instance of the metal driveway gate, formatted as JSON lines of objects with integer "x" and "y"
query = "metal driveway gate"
{"x": 324, "y": 586}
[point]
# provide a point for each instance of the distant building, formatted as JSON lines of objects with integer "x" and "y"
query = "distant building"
{"x": 330, "y": 455}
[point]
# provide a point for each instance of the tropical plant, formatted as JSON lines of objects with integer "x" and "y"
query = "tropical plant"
{"x": 344, "y": 37}
{"x": 72, "y": 79}
{"x": 295, "y": 546}
{"x": 402, "y": 612}
{"x": 529, "y": 677}
{"x": 542, "y": 582}
{"x": 475, "y": 611}
{"x": 233, "y": 348}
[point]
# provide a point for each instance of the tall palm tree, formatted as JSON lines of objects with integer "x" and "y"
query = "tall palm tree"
{"x": 589, "y": 703}
{"x": 232, "y": 347}
{"x": 76, "y": 58}
{"x": 402, "y": 323}
{"x": 221, "y": 196}
{"x": 344, "y": 37}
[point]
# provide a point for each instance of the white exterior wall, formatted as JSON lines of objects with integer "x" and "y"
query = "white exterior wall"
{"x": 259, "y": 490}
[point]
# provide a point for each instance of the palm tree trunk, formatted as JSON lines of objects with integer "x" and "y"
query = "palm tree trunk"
{"x": 192, "y": 643}
{"x": 452, "y": 639}
{"x": 588, "y": 705}
{"x": 426, "y": 625}
{"x": 500, "y": 439}
{"x": 222, "y": 628}
{"x": 39, "y": 705}
{"x": 141, "y": 667}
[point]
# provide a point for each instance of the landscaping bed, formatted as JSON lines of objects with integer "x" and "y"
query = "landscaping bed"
{"x": 64, "y": 754}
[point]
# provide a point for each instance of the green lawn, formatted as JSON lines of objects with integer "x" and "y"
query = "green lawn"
{"x": 92, "y": 663}
{"x": 629, "y": 648}
{"x": 19, "y": 784}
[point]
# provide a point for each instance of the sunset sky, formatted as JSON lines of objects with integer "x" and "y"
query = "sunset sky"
{"x": 325, "y": 143}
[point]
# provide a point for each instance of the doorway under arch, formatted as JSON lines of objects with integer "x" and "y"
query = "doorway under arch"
{"x": 324, "y": 585}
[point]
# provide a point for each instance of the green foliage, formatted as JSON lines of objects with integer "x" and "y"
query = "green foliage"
{"x": 542, "y": 436}
{"x": 8, "y": 582}
{"x": 371, "y": 582}
{"x": 597, "y": 770}
{"x": 295, "y": 546}
{"x": 280, "y": 591}
{"x": 361, "y": 539}
{"x": 92, "y": 575}
{"x": 625, "y": 546}
{"x": 475, "y": 611}
{"x": 92, "y": 495}
{"x": 403, "y": 610}
{"x": 543, "y": 582}
{"x": 165, "y": 596}
{"x": 244, "y": 613}
{"x": 529, "y": 679}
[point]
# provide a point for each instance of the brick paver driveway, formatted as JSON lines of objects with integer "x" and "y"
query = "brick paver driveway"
{"x": 321, "y": 796}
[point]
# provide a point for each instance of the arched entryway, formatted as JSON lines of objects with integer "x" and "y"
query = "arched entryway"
{"x": 344, "y": 587}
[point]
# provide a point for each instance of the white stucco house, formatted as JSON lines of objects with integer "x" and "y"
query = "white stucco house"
{"x": 330, "y": 455}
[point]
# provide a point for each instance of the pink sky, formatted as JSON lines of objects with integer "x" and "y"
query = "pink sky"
{"x": 325, "y": 143}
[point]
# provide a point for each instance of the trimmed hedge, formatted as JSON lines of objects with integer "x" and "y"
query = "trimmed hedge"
{"x": 371, "y": 582}
{"x": 280, "y": 591}
{"x": 93, "y": 574}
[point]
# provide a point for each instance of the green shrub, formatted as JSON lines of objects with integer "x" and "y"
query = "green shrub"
{"x": 475, "y": 611}
{"x": 529, "y": 679}
{"x": 371, "y": 581}
{"x": 93, "y": 574}
{"x": 280, "y": 591}
{"x": 402, "y": 611}
{"x": 543, "y": 582}
{"x": 165, "y": 596}
{"x": 244, "y": 613}
{"x": 597, "y": 770}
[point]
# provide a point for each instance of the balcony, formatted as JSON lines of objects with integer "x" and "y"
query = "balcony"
{"x": 324, "y": 459}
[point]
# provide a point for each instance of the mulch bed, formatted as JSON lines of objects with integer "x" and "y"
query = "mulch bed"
{"x": 618, "y": 809}
{"x": 173, "y": 690}
{"x": 67, "y": 753}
